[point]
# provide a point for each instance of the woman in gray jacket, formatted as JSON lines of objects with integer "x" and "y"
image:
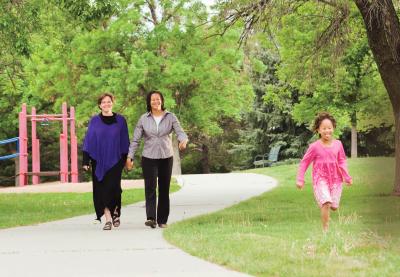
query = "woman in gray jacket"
{"x": 156, "y": 127}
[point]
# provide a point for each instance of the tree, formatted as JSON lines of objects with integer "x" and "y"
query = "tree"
{"x": 381, "y": 25}
{"x": 149, "y": 45}
{"x": 383, "y": 30}
{"x": 326, "y": 82}
{"x": 18, "y": 20}
{"x": 270, "y": 122}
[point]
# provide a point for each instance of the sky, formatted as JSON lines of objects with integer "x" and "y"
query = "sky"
{"x": 208, "y": 2}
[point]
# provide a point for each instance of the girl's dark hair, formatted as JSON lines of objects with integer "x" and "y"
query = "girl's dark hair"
{"x": 148, "y": 99}
{"x": 320, "y": 117}
{"x": 104, "y": 95}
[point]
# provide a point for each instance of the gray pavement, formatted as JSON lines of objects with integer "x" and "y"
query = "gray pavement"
{"x": 76, "y": 247}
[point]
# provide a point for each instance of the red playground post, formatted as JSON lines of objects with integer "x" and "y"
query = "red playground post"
{"x": 64, "y": 146}
{"x": 23, "y": 147}
{"x": 74, "y": 147}
{"x": 23, "y": 140}
{"x": 35, "y": 151}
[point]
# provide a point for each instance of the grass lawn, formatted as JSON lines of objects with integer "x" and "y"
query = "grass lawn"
{"x": 18, "y": 209}
{"x": 279, "y": 233}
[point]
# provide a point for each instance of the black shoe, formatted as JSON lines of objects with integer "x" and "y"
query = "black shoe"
{"x": 151, "y": 223}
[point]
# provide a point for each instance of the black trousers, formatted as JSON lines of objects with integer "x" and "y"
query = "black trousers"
{"x": 107, "y": 192}
{"x": 153, "y": 169}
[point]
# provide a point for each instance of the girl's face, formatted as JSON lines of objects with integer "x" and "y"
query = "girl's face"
{"x": 326, "y": 129}
{"x": 106, "y": 105}
{"x": 155, "y": 102}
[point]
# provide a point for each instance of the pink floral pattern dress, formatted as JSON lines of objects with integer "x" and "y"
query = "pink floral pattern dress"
{"x": 328, "y": 172}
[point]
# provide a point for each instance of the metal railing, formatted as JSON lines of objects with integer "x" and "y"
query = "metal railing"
{"x": 11, "y": 156}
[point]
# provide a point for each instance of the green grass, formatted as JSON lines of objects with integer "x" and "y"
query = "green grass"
{"x": 19, "y": 209}
{"x": 279, "y": 233}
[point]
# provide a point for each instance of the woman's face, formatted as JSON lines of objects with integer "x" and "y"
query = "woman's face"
{"x": 155, "y": 102}
{"x": 106, "y": 104}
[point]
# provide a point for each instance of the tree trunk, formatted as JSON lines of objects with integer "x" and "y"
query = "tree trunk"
{"x": 176, "y": 168}
{"x": 396, "y": 190}
{"x": 205, "y": 163}
{"x": 354, "y": 141}
{"x": 16, "y": 162}
{"x": 354, "y": 136}
{"x": 383, "y": 31}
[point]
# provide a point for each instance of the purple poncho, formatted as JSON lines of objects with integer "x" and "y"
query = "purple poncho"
{"x": 106, "y": 143}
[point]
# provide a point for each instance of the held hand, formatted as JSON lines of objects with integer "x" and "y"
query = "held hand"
{"x": 85, "y": 167}
{"x": 182, "y": 145}
{"x": 299, "y": 185}
{"x": 129, "y": 164}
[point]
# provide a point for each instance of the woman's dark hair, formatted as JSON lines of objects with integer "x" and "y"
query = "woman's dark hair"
{"x": 148, "y": 99}
{"x": 104, "y": 95}
{"x": 320, "y": 117}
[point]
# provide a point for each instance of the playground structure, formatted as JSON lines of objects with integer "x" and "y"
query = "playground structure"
{"x": 22, "y": 172}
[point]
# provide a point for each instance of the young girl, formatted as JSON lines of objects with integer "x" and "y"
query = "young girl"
{"x": 329, "y": 167}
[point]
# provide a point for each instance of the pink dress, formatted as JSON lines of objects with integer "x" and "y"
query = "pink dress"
{"x": 328, "y": 173}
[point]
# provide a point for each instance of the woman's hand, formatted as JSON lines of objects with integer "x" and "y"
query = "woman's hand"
{"x": 129, "y": 164}
{"x": 182, "y": 145}
{"x": 85, "y": 167}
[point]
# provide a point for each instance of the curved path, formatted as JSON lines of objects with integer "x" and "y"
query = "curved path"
{"x": 75, "y": 247}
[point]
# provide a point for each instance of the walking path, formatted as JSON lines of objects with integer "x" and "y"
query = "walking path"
{"x": 75, "y": 247}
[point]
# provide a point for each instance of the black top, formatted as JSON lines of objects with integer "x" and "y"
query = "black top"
{"x": 108, "y": 119}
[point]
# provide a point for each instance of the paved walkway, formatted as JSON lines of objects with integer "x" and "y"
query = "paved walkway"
{"x": 75, "y": 247}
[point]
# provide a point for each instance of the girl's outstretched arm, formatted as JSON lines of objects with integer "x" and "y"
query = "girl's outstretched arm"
{"x": 304, "y": 164}
{"x": 342, "y": 163}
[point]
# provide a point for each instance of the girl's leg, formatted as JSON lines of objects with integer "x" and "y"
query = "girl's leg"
{"x": 336, "y": 192}
{"x": 325, "y": 215}
{"x": 323, "y": 197}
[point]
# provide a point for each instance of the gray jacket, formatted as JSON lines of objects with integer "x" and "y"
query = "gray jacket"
{"x": 157, "y": 143}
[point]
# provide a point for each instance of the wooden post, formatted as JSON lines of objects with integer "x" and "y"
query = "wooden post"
{"x": 74, "y": 147}
{"x": 16, "y": 162}
{"x": 35, "y": 151}
{"x": 176, "y": 166}
{"x": 23, "y": 147}
{"x": 64, "y": 146}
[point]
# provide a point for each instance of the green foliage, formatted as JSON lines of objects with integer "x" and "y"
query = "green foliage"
{"x": 270, "y": 122}
{"x": 84, "y": 48}
{"x": 342, "y": 79}
{"x": 17, "y": 22}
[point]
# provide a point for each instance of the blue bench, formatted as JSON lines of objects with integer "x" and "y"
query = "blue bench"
{"x": 268, "y": 158}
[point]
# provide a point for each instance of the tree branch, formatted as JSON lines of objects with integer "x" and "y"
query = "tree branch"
{"x": 152, "y": 8}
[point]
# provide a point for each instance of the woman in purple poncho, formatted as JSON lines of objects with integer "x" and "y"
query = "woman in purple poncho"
{"x": 105, "y": 147}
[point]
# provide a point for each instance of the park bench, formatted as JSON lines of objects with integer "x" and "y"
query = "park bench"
{"x": 268, "y": 158}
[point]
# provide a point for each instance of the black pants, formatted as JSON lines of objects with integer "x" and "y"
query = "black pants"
{"x": 107, "y": 192}
{"x": 153, "y": 169}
